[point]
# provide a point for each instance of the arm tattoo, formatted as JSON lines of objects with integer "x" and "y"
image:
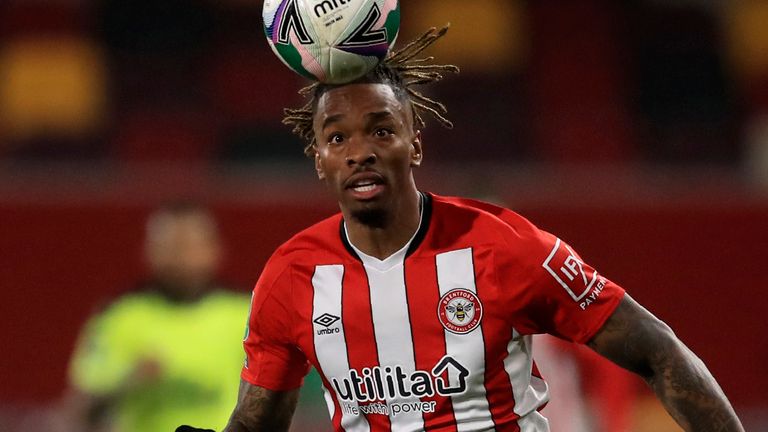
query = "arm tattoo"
{"x": 638, "y": 341}
{"x": 259, "y": 409}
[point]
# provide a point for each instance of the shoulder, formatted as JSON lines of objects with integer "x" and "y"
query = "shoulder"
{"x": 311, "y": 244}
{"x": 515, "y": 242}
{"x": 125, "y": 317}
{"x": 478, "y": 207}
{"x": 484, "y": 218}
{"x": 132, "y": 304}
{"x": 226, "y": 299}
{"x": 318, "y": 244}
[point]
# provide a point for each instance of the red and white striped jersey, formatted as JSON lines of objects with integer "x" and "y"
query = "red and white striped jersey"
{"x": 435, "y": 337}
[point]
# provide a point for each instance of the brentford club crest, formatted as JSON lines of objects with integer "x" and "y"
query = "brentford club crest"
{"x": 460, "y": 311}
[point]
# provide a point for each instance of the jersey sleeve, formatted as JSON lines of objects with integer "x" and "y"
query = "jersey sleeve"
{"x": 560, "y": 293}
{"x": 273, "y": 360}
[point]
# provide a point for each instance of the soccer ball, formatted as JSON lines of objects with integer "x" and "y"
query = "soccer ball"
{"x": 332, "y": 41}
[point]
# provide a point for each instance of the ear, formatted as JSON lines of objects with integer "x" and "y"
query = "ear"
{"x": 319, "y": 165}
{"x": 416, "y": 150}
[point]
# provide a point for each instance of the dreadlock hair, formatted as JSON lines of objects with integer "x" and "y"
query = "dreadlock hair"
{"x": 401, "y": 70}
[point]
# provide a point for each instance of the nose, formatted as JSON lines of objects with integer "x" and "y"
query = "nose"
{"x": 360, "y": 153}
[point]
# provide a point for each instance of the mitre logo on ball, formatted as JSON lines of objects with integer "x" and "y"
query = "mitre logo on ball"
{"x": 331, "y": 41}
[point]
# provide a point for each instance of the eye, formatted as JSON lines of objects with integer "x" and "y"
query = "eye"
{"x": 335, "y": 138}
{"x": 383, "y": 132}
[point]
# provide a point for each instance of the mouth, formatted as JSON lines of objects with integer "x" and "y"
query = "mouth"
{"x": 365, "y": 186}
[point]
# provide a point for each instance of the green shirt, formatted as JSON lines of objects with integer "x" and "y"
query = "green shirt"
{"x": 197, "y": 346}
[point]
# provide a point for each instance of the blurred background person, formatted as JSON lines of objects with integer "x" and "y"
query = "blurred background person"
{"x": 169, "y": 350}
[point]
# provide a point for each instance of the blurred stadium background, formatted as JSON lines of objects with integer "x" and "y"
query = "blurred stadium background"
{"x": 637, "y": 130}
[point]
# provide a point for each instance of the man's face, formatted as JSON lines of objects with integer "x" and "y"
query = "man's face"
{"x": 183, "y": 251}
{"x": 366, "y": 147}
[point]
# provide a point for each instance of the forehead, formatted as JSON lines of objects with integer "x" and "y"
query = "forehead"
{"x": 360, "y": 99}
{"x": 167, "y": 227}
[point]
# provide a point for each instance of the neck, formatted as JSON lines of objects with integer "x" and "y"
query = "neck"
{"x": 400, "y": 224}
{"x": 179, "y": 292}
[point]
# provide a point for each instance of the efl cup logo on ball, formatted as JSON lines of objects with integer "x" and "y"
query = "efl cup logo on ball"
{"x": 332, "y": 41}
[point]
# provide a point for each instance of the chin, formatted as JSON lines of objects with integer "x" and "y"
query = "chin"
{"x": 372, "y": 216}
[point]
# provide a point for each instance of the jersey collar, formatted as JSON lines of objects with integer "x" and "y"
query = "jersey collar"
{"x": 411, "y": 246}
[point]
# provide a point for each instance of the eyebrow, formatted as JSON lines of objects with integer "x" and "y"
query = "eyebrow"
{"x": 371, "y": 117}
{"x": 331, "y": 119}
{"x": 379, "y": 115}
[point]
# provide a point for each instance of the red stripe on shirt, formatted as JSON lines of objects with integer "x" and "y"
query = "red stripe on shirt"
{"x": 358, "y": 329}
{"x": 496, "y": 334}
{"x": 428, "y": 337}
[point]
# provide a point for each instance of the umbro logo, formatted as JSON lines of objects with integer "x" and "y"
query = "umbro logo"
{"x": 326, "y": 320}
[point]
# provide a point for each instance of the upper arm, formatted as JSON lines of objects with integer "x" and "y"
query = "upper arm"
{"x": 273, "y": 357}
{"x": 261, "y": 409}
{"x": 634, "y": 338}
{"x": 558, "y": 292}
{"x": 102, "y": 360}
